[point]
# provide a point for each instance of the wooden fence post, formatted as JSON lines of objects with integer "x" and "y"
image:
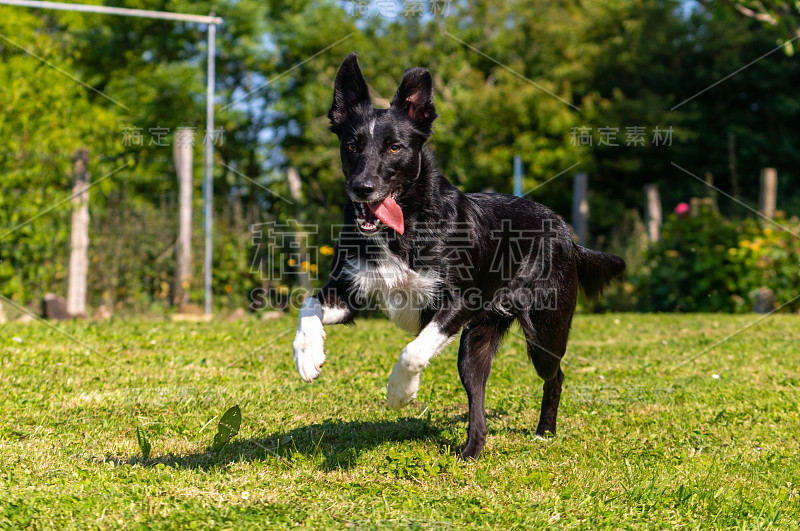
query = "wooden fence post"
{"x": 79, "y": 244}
{"x": 295, "y": 192}
{"x": 769, "y": 192}
{"x": 182, "y": 150}
{"x": 580, "y": 207}
{"x": 653, "y": 216}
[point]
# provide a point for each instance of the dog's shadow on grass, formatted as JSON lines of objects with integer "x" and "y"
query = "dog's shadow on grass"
{"x": 339, "y": 443}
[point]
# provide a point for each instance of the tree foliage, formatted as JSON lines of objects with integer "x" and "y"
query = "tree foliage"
{"x": 511, "y": 78}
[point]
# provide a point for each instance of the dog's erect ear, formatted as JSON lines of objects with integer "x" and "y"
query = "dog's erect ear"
{"x": 415, "y": 98}
{"x": 349, "y": 91}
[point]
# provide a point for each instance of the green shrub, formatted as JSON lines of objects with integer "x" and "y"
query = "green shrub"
{"x": 706, "y": 263}
{"x": 768, "y": 255}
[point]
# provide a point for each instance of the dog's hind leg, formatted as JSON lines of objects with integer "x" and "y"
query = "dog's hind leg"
{"x": 547, "y": 343}
{"x": 550, "y": 400}
{"x": 479, "y": 342}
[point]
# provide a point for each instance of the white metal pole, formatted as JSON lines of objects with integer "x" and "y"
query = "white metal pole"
{"x": 209, "y": 166}
{"x": 518, "y": 175}
{"x": 106, "y": 10}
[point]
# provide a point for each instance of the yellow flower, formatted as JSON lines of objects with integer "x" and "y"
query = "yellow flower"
{"x": 744, "y": 243}
{"x": 732, "y": 251}
{"x": 313, "y": 268}
{"x": 291, "y": 262}
{"x": 326, "y": 250}
{"x": 304, "y": 265}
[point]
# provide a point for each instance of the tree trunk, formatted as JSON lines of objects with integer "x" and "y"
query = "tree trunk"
{"x": 79, "y": 253}
{"x": 769, "y": 192}
{"x": 653, "y": 217}
{"x": 182, "y": 153}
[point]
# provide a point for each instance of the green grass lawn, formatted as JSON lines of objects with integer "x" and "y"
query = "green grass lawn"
{"x": 654, "y": 433}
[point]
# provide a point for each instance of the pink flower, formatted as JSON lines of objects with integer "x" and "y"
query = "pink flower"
{"x": 682, "y": 210}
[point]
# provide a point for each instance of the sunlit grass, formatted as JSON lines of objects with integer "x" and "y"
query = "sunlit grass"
{"x": 653, "y": 431}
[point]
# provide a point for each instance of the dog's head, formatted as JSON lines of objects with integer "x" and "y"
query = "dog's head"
{"x": 381, "y": 149}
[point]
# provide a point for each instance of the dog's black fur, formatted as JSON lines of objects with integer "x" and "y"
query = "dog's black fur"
{"x": 519, "y": 260}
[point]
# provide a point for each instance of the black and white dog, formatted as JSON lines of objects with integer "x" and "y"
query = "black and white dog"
{"x": 437, "y": 260}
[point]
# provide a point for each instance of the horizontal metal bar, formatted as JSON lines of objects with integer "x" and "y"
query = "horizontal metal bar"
{"x": 120, "y": 11}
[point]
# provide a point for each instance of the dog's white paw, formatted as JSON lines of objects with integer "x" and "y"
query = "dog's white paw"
{"x": 309, "y": 354}
{"x": 403, "y": 386}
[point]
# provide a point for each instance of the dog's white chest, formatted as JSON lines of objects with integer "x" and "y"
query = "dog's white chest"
{"x": 401, "y": 292}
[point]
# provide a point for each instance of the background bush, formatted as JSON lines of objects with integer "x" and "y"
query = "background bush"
{"x": 706, "y": 263}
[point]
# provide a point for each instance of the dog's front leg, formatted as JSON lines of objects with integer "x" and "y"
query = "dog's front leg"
{"x": 321, "y": 309}
{"x": 404, "y": 380}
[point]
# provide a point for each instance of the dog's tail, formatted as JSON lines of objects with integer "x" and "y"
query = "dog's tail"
{"x": 597, "y": 270}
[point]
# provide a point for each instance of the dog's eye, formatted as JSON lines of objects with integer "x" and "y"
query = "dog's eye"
{"x": 352, "y": 146}
{"x": 394, "y": 148}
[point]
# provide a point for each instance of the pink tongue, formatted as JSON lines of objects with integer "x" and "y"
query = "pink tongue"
{"x": 389, "y": 212}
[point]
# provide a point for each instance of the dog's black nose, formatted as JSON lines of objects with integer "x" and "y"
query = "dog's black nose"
{"x": 362, "y": 189}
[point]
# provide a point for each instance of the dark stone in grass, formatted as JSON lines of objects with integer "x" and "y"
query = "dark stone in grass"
{"x": 55, "y": 308}
{"x": 764, "y": 300}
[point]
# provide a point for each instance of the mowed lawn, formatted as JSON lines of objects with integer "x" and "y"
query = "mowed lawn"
{"x": 656, "y": 429}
